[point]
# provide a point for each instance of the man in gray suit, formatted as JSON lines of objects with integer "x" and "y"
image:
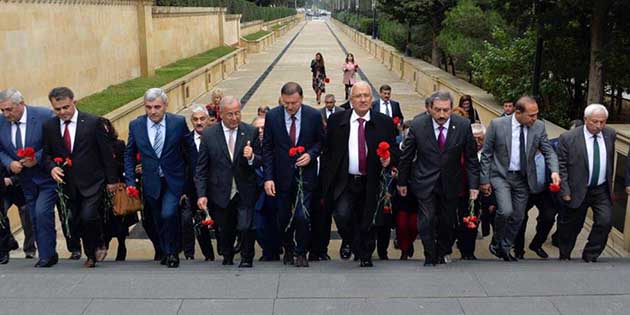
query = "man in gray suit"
{"x": 225, "y": 179}
{"x": 508, "y": 167}
{"x": 329, "y": 107}
{"x": 586, "y": 156}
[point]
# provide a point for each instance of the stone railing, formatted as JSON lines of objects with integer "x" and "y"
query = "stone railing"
{"x": 183, "y": 91}
{"x": 256, "y": 46}
{"x": 427, "y": 78}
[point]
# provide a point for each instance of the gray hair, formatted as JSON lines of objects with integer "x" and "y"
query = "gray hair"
{"x": 363, "y": 84}
{"x": 154, "y": 93}
{"x": 442, "y": 96}
{"x": 428, "y": 102}
{"x": 594, "y": 109}
{"x": 329, "y": 96}
{"x": 478, "y": 128}
{"x": 13, "y": 94}
{"x": 227, "y": 100}
{"x": 198, "y": 108}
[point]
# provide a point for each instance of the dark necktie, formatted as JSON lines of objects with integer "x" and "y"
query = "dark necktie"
{"x": 292, "y": 135}
{"x": 522, "y": 153}
{"x": 66, "y": 136}
{"x": 18, "y": 136}
{"x": 362, "y": 148}
{"x": 596, "y": 163}
{"x": 387, "y": 111}
{"x": 330, "y": 112}
{"x": 441, "y": 138}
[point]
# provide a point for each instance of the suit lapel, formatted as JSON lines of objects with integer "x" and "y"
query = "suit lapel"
{"x": 450, "y": 134}
{"x": 143, "y": 137}
{"x": 430, "y": 132}
{"x": 78, "y": 133}
{"x": 168, "y": 132}
{"x": 529, "y": 143}
{"x": 238, "y": 144}
{"x": 283, "y": 126}
{"x": 581, "y": 143}
{"x": 30, "y": 126}
{"x": 508, "y": 136}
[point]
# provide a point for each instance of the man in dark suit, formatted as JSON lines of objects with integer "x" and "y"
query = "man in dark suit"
{"x": 200, "y": 121}
{"x": 329, "y": 107}
{"x": 431, "y": 169}
{"x": 351, "y": 178}
{"x": 160, "y": 138}
{"x": 20, "y": 127}
{"x": 226, "y": 179}
{"x": 82, "y": 138}
{"x": 586, "y": 156}
{"x": 291, "y": 125}
{"x": 385, "y": 105}
{"x": 508, "y": 168}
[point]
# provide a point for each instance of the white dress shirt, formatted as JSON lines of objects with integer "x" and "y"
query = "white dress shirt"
{"x": 22, "y": 129}
{"x": 383, "y": 107}
{"x": 588, "y": 138}
{"x": 197, "y": 139}
{"x": 226, "y": 133}
{"x": 515, "y": 156}
{"x": 436, "y": 128}
{"x": 151, "y": 131}
{"x": 298, "y": 120}
{"x": 72, "y": 127}
{"x": 329, "y": 112}
{"x": 353, "y": 142}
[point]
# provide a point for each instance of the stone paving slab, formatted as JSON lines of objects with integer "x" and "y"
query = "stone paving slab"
{"x": 132, "y": 307}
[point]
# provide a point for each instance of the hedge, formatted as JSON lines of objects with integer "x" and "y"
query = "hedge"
{"x": 249, "y": 11}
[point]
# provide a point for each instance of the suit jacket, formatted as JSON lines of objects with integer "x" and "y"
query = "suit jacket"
{"x": 216, "y": 170}
{"x": 423, "y": 165}
{"x": 173, "y": 161}
{"x": 573, "y": 162}
{"x": 190, "y": 189}
{"x": 92, "y": 157}
{"x": 495, "y": 157}
{"x": 335, "y": 160}
{"x": 323, "y": 112}
{"x": 36, "y": 116}
{"x": 277, "y": 164}
{"x": 346, "y": 105}
{"x": 395, "y": 108}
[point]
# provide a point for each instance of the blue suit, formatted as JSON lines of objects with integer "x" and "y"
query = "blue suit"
{"x": 279, "y": 167}
{"x": 38, "y": 185}
{"x": 162, "y": 193}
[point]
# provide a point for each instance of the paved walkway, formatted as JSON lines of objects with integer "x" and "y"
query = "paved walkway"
{"x": 140, "y": 286}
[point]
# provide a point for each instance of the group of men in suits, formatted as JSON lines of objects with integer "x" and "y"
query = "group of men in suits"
{"x": 224, "y": 167}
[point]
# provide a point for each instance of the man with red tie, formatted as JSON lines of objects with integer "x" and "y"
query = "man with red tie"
{"x": 82, "y": 138}
{"x": 352, "y": 171}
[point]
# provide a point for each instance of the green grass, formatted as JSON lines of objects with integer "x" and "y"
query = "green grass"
{"x": 256, "y": 36}
{"x": 120, "y": 94}
{"x": 278, "y": 26}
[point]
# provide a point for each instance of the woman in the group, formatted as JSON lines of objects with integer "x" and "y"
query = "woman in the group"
{"x": 465, "y": 103}
{"x": 217, "y": 96}
{"x": 319, "y": 76}
{"x": 117, "y": 226}
{"x": 349, "y": 69}
{"x": 405, "y": 213}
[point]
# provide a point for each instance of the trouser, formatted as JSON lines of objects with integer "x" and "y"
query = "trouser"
{"x": 86, "y": 218}
{"x": 40, "y": 201}
{"x": 227, "y": 221}
{"x": 545, "y": 221}
{"x": 165, "y": 211}
{"x": 349, "y": 214}
{"x": 406, "y": 229}
{"x": 190, "y": 232}
{"x": 295, "y": 232}
{"x": 436, "y": 224}
{"x": 511, "y": 195}
{"x": 322, "y": 220}
{"x": 148, "y": 224}
{"x": 466, "y": 237}
{"x": 15, "y": 196}
{"x": 571, "y": 221}
{"x": 267, "y": 232}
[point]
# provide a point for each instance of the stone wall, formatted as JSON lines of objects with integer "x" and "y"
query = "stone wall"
{"x": 232, "y": 31}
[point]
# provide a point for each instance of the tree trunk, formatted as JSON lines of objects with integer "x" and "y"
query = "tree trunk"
{"x": 435, "y": 51}
{"x": 596, "y": 70}
{"x": 450, "y": 61}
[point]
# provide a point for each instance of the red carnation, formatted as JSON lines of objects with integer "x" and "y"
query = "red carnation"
{"x": 383, "y": 150}
{"x": 327, "y": 80}
{"x": 133, "y": 192}
{"x": 383, "y": 145}
{"x": 68, "y": 162}
{"x": 58, "y": 160}
{"x": 20, "y": 153}
{"x": 138, "y": 156}
{"x": 387, "y": 210}
{"x": 396, "y": 120}
{"x": 554, "y": 187}
{"x": 300, "y": 149}
{"x": 207, "y": 222}
{"x": 471, "y": 225}
{"x": 27, "y": 152}
{"x": 292, "y": 152}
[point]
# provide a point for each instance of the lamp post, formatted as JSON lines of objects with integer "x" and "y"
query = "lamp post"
{"x": 374, "y": 26}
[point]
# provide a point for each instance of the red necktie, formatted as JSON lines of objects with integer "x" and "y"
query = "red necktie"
{"x": 66, "y": 136}
{"x": 441, "y": 138}
{"x": 292, "y": 131}
{"x": 362, "y": 148}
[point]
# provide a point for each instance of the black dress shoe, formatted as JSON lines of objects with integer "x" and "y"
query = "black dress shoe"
{"x": 301, "y": 261}
{"x": 13, "y": 244}
{"x": 189, "y": 257}
{"x": 47, "y": 262}
{"x": 429, "y": 263}
{"x": 383, "y": 256}
{"x": 157, "y": 257}
{"x": 29, "y": 255}
{"x": 403, "y": 256}
{"x": 509, "y": 257}
{"x": 324, "y": 257}
{"x": 313, "y": 257}
{"x": 121, "y": 254}
{"x": 345, "y": 251}
{"x": 366, "y": 263}
{"x": 164, "y": 260}
{"x": 540, "y": 252}
{"x": 589, "y": 259}
{"x": 4, "y": 258}
{"x": 441, "y": 260}
{"x": 410, "y": 251}
{"x": 75, "y": 255}
{"x": 227, "y": 261}
{"x": 90, "y": 263}
{"x": 519, "y": 255}
{"x": 172, "y": 261}
{"x": 564, "y": 257}
{"x": 246, "y": 263}
{"x": 288, "y": 259}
